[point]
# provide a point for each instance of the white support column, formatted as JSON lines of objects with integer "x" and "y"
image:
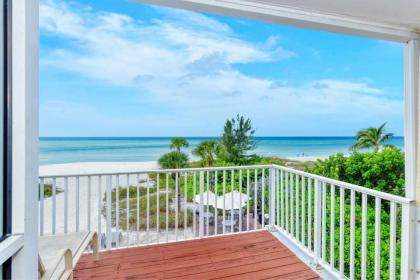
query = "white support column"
{"x": 411, "y": 248}
{"x": 25, "y": 42}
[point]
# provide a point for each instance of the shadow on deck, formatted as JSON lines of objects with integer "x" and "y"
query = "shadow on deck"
{"x": 256, "y": 255}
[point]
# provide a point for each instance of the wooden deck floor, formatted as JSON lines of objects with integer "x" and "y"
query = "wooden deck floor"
{"x": 257, "y": 255}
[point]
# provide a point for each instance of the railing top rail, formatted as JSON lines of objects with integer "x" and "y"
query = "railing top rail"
{"x": 368, "y": 191}
{"x": 143, "y": 171}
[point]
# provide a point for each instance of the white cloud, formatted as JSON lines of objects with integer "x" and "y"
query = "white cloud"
{"x": 187, "y": 61}
{"x": 117, "y": 48}
{"x": 345, "y": 86}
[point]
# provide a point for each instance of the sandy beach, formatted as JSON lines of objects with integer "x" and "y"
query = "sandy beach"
{"x": 84, "y": 168}
{"x": 307, "y": 158}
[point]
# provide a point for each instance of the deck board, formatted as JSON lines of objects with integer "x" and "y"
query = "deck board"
{"x": 256, "y": 255}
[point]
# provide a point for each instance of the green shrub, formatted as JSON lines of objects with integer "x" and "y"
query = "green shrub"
{"x": 48, "y": 191}
{"x": 382, "y": 171}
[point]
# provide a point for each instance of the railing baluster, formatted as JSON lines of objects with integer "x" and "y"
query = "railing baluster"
{"x": 278, "y": 223}
{"x": 263, "y": 199}
{"x": 352, "y": 231}
{"x": 310, "y": 214}
{"x": 232, "y": 185}
{"x": 377, "y": 238}
{"x": 392, "y": 241}
{"x": 207, "y": 205}
{"x": 292, "y": 207}
{"x": 317, "y": 222}
{"x": 127, "y": 214}
{"x": 248, "y": 180}
{"x": 89, "y": 203}
{"x": 224, "y": 201}
{"x": 282, "y": 198}
{"x": 41, "y": 207}
{"x": 167, "y": 207}
{"x": 77, "y": 203}
{"x": 54, "y": 205}
{"x": 255, "y": 199}
{"x": 194, "y": 194}
{"x": 272, "y": 197}
{"x": 332, "y": 226}
{"x": 303, "y": 218}
{"x": 324, "y": 222}
{"x": 201, "y": 221}
{"x": 287, "y": 200}
{"x": 108, "y": 212}
{"x": 100, "y": 211}
{"x": 117, "y": 211}
{"x": 215, "y": 202}
{"x": 158, "y": 206}
{"x": 185, "y": 204}
{"x": 240, "y": 200}
{"x": 364, "y": 237}
{"x": 138, "y": 208}
{"x": 66, "y": 205}
{"x": 148, "y": 208}
{"x": 342, "y": 202}
{"x": 297, "y": 220}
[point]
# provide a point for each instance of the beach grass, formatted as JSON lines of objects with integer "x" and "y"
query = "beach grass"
{"x": 155, "y": 210}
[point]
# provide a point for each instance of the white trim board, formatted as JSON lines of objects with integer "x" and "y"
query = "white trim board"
{"x": 10, "y": 246}
{"x": 295, "y": 17}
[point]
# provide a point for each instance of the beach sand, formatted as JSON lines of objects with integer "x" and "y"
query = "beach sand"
{"x": 84, "y": 168}
{"x": 307, "y": 158}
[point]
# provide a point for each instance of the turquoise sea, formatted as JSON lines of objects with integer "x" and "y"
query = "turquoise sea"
{"x": 77, "y": 149}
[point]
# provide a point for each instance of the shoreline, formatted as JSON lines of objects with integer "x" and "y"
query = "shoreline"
{"x": 86, "y": 168}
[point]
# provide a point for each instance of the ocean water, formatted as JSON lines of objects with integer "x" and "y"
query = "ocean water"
{"x": 66, "y": 150}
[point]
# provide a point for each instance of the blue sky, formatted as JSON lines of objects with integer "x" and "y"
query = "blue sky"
{"x": 118, "y": 68}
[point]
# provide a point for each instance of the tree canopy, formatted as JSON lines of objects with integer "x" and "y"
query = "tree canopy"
{"x": 207, "y": 151}
{"x": 174, "y": 160}
{"x": 372, "y": 137}
{"x": 178, "y": 142}
{"x": 237, "y": 140}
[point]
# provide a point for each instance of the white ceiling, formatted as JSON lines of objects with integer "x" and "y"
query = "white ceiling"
{"x": 396, "y": 20}
{"x": 398, "y": 12}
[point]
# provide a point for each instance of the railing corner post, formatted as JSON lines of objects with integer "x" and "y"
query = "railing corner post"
{"x": 408, "y": 228}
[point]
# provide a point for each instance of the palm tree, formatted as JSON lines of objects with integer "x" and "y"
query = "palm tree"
{"x": 372, "y": 137}
{"x": 174, "y": 160}
{"x": 207, "y": 150}
{"x": 178, "y": 142}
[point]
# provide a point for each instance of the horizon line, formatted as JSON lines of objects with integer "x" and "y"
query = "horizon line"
{"x": 265, "y": 136}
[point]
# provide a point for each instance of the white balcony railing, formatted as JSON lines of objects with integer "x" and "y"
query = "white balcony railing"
{"x": 350, "y": 231}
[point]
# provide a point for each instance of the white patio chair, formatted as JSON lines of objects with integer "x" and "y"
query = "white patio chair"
{"x": 59, "y": 254}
